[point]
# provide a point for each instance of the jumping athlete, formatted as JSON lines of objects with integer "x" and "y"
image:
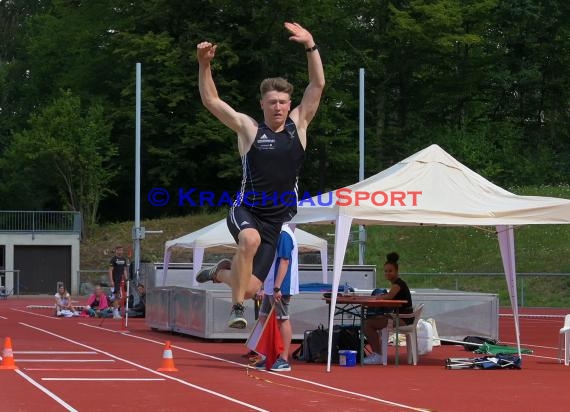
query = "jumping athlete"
{"x": 272, "y": 153}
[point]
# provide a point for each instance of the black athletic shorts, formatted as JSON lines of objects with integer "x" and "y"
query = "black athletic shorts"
{"x": 117, "y": 286}
{"x": 240, "y": 218}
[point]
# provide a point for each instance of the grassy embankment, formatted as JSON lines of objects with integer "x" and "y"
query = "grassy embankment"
{"x": 441, "y": 256}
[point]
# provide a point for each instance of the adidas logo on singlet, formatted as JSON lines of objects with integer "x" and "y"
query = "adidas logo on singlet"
{"x": 263, "y": 137}
{"x": 245, "y": 222}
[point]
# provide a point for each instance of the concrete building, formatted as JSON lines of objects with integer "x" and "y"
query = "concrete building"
{"x": 38, "y": 250}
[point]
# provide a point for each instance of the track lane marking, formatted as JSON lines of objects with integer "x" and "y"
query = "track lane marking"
{"x": 105, "y": 379}
{"x": 53, "y": 352}
{"x": 47, "y": 391}
{"x": 35, "y": 314}
{"x": 379, "y": 400}
{"x": 82, "y": 369}
{"x": 183, "y": 382}
{"x": 66, "y": 360}
{"x": 101, "y": 328}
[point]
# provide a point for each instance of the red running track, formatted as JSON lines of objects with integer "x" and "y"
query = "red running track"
{"x": 75, "y": 364}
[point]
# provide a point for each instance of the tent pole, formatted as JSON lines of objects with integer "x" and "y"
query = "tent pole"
{"x": 361, "y": 228}
{"x": 506, "y": 238}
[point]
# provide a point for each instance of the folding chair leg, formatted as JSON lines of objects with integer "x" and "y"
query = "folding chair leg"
{"x": 384, "y": 345}
{"x": 412, "y": 349}
{"x": 566, "y": 350}
{"x": 560, "y": 338}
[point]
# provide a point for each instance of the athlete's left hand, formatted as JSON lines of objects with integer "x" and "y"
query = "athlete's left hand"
{"x": 300, "y": 34}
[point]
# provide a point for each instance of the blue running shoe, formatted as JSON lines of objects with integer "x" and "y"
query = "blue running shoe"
{"x": 260, "y": 364}
{"x": 281, "y": 365}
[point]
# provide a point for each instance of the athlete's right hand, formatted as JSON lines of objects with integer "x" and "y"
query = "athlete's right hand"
{"x": 205, "y": 52}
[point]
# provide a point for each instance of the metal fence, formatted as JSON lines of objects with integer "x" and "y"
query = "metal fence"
{"x": 537, "y": 289}
{"x": 89, "y": 278}
{"x": 39, "y": 221}
{"x": 4, "y": 291}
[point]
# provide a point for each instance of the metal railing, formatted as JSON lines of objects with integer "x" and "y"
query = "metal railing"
{"x": 529, "y": 284}
{"x": 39, "y": 221}
{"x": 16, "y": 283}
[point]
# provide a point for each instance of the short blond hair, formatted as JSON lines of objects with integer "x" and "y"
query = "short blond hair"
{"x": 278, "y": 84}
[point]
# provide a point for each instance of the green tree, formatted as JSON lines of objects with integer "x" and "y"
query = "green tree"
{"x": 66, "y": 149}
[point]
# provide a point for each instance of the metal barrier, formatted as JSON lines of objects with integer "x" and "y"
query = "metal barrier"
{"x": 39, "y": 221}
{"x": 467, "y": 282}
{"x": 3, "y": 282}
{"x": 88, "y": 277}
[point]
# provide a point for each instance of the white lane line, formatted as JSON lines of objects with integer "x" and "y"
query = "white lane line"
{"x": 36, "y": 314}
{"x": 101, "y": 328}
{"x": 82, "y": 369}
{"x": 65, "y": 360}
{"x": 104, "y": 379}
{"x": 53, "y": 352}
{"x": 332, "y": 388}
{"x": 2, "y": 317}
{"x": 183, "y": 382}
{"x": 52, "y": 395}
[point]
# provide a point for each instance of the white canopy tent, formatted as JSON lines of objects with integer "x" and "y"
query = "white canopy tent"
{"x": 431, "y": 188}
{"x": 218, "y": 239}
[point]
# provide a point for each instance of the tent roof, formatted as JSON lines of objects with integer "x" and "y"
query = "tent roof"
{"x": 218, "y": 239}
{"x": 447, "y": 193}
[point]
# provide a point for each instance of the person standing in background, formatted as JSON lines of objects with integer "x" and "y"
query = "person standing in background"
{"x": 281, "y": 283}
{"x": 117, "y": 274}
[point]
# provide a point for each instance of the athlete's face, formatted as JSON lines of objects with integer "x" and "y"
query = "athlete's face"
{"x": 276, "y": 106}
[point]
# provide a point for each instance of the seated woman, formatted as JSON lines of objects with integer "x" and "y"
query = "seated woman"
{"x": 63, "y": 306}
{"x": 398, "y": 291}
{"x": 97, "y": 305}
{"x": 139, "y": 310}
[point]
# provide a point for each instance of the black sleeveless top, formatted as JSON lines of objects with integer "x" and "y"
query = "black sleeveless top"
{"x": 270, "y": 172}
{"x": 404, "y": 294}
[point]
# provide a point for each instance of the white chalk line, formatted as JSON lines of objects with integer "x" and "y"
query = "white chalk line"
{"x": 332, "y": 388}
{"x": 105, "y": 379}
{"x": 101, "y": 328}
{"x": 35, "y": 314}
{"x": 183, "y": 382}
{"x": 66, "y": 360}
{"x": 47, "y": 391}
{"x": 53, "y": 352}
{"x": 82, "y": 369}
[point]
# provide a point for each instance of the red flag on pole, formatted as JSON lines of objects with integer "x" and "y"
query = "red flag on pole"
{"x": 266, "y": 339}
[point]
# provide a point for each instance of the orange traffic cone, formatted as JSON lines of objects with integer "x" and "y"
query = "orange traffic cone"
{"x": 8, "y": 355}
{"x": 167, "y": 360}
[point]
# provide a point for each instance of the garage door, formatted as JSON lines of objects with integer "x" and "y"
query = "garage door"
{"x": 41, "y": 267}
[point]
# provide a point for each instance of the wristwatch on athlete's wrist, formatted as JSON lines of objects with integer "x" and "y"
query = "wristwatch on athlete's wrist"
{"x": 275, "y": 290}
{"x": 312, "y": 49}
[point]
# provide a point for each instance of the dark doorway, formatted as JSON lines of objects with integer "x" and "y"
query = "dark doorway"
{"x": 42, "y": 267}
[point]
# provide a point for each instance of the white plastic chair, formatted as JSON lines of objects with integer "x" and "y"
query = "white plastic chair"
{"x": 565, "y": 336}
{"x": 410, "y": 331}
